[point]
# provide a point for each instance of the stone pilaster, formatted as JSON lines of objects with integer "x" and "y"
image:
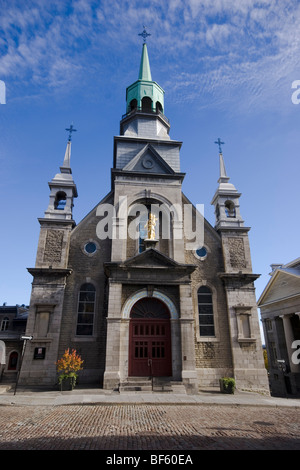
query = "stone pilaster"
{"x": 112, "y": 369}
{"x": 189, "y": 374}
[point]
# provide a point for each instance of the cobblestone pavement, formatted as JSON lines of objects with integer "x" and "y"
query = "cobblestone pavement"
{"x": 149, "y": 427}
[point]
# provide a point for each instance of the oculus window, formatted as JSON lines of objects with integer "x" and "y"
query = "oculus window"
{"x": 90, "y": 248}
{"x": 201, "y": 253}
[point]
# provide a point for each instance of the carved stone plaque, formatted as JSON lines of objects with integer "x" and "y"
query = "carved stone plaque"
{"x": 53, "y": 247}
{"x": 237, "y": 252}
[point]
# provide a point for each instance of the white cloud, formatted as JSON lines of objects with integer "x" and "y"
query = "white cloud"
{"x": 216, "y": 48}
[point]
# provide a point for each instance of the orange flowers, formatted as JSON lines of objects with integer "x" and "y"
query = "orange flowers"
{"x": 69, "y": 364}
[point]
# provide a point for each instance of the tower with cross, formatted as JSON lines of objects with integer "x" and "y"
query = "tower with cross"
{"x": 226, "y": 198}
{"x": 144, "y": 94}
{"x": 51, "y": 267}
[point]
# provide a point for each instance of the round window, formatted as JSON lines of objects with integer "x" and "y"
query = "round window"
{"x": 201, "y": 252}
{"x": 90, "y": 247}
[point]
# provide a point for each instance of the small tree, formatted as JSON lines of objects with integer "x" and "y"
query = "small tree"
{"x": 68, "y": 366}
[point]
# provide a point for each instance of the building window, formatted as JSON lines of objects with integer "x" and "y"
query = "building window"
{"x": 201, "y": 253}
{"x": 229, "y": 209}
{"x": 147, "y": 104}
{"x": 133, "y": 104}
{"x": 158, "y": 107}
{"x": 13, "y": 361}
{"x": 269, "y": 325}
{"x": 90, "y": 248}
{"x": 245, "y": 325}
{"x": 4, "y": 324}
{"x": 205, "y": 309}
{"x": 60, "y": 201}
{"x": 86, "y": 310}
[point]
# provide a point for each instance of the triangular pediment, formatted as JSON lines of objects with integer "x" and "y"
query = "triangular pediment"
{"x": 151, "y": 262}
{"x": 151, "y": 258}
{"x": 284, "y": 283}
{"x": 148, "y": 160}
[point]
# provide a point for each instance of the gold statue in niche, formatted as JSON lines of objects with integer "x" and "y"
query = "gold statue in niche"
{"x": 150, "y": 225}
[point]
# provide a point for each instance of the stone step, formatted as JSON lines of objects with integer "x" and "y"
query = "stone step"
{"x": 159, "y": 385}
{"x": 136, "y": 384}
{"x": 135, "y": 388}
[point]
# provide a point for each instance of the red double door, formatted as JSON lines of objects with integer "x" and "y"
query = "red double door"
{"x": 150, "y": 346}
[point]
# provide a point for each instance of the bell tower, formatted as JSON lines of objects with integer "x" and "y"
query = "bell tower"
{"x": 238, "y": 281}
{"x": 146, "y": 174}
{"x": 226, "y": 199}
{"x": 62, "y": 189}
{"x": 49, "y": 278}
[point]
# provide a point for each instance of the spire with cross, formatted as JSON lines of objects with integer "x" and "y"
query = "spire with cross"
{"x": 219, "y": 142}
{"x": 144, "y": 34}
{"x": 70, "y": 130}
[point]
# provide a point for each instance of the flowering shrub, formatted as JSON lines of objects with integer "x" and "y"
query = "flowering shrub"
{"x": 227, "y": 384}
{"x": 68, "y": 366}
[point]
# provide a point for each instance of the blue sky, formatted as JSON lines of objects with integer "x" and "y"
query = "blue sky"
{"x": 227, "y": 68}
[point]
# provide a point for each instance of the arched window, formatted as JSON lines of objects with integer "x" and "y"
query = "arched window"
{"x": 86, "y": 310}
{"x": 150, "y": 307}
{"x": 206, "y": 314}
{"x": 13, "y": 361}
{"x": 158, "y": 107}
{"x": 133, "y": 104}
{"x": 4, "y": 324}
{"x": 229, "y": 209}
{"x": 60, "y": 201}
{"x": 147, "y": 104}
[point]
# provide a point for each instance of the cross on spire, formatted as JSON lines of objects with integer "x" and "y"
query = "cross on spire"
{"x": 144, "y": 34}
{"x": 219, "y": 142}
{"x": 70, "y": 130}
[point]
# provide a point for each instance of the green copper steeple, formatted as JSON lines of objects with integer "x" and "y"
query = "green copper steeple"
{"x": 145, "y": 72}
{"x": 144, "y": 95}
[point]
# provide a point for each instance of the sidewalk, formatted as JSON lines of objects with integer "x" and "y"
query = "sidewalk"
{"x": 90, "y": 395}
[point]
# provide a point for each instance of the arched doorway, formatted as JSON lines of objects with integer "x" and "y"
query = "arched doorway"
{"x": 150, "y": 339}
{"x": 13, "y": 361}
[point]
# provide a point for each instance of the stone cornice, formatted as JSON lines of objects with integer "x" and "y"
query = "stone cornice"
{"x": 49, "y": 271}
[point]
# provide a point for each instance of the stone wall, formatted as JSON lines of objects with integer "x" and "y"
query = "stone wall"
{"x": 213, "y": 354}
{"x": 86, "y": 268}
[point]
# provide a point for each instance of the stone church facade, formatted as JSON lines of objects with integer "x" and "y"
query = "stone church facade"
{"x": 144, "y": 286}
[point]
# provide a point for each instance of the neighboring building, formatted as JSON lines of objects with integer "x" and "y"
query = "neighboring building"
{"x": 280, "y": 311}
{"x": 13, "y": 321}
{"x": 144, "y": 301}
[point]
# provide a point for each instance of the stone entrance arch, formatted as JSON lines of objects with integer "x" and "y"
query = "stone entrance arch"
{"x": 149, "y": 339}
{"x": 173, "y": 337}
